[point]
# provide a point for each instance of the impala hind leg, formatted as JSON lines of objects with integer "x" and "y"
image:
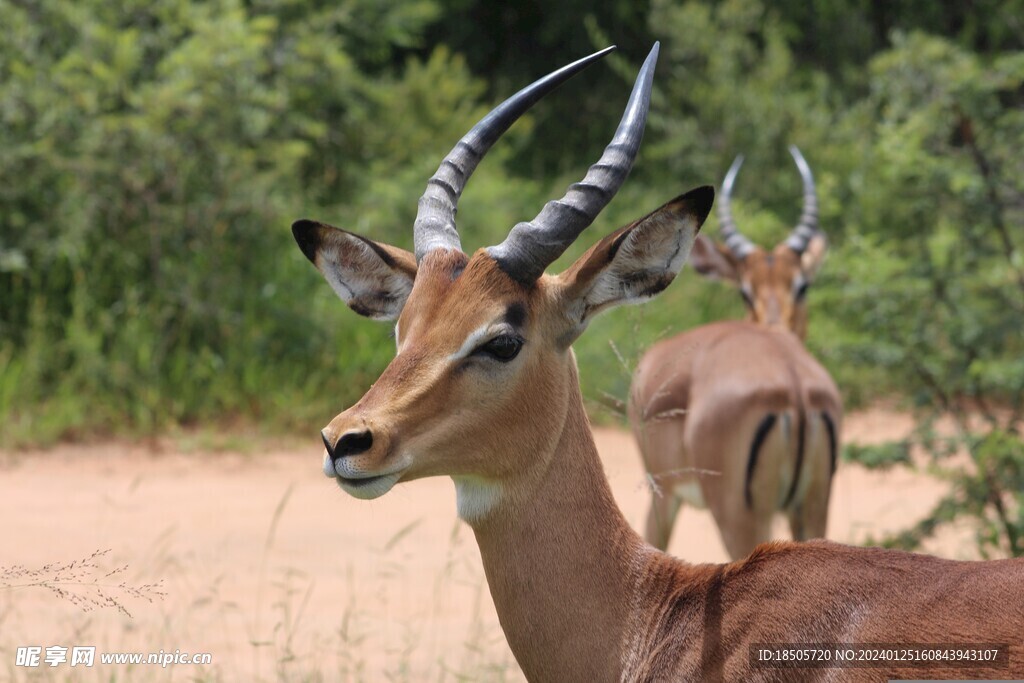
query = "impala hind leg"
{"x": 660, "y": 444}
{"x": 808, "y": 517}
{"x": 742, "y": 529}
{"x": 661, "y": 518}
{"x": 743, "y": 497}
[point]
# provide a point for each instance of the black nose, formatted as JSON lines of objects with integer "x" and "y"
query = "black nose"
{"x": 350, "y": 443}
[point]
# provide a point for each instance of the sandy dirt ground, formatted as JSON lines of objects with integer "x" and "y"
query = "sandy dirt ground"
{"x": 268, "y": 567}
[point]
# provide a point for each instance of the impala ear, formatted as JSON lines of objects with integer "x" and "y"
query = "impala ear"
{"x": 635, "y": 262}
{"x": 713, "y": 260}
{"x": 374, "y": 279}
{"x": 814, "y": 255}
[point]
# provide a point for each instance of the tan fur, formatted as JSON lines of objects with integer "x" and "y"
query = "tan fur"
{"x": 708, "y": 616}
{"x": 698, "y": 399}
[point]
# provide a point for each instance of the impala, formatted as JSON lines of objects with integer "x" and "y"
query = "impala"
{"x": 484, "y": 389}
{"x": 738, "y": 417}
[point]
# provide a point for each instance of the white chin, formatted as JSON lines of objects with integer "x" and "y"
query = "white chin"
{"x": 373, "y": 488}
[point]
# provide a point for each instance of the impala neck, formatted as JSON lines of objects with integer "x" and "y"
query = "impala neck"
{"x": 561, "y": 562}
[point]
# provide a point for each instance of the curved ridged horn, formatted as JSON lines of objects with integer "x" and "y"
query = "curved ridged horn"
{"x": 808, "y": 225}
{"x": 737, "y": 243}
{"x": 435, "y": 218}
{"x": 531, "y": 247}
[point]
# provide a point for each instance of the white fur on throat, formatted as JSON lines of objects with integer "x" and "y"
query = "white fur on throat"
{"x": 475, "y": 497}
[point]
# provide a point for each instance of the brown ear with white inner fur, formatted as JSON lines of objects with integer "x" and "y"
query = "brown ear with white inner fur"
{"x": 635, "y": 262}
{"x": 374, "y": 279}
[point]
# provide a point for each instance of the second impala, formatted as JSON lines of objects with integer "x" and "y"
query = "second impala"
{"x": 737, "y": 416}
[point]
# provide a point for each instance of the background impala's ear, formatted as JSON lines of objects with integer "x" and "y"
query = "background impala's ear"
{"x": 814, "y": 255}
{"x": 713, "y": 260}
{"x": 635, "y": 262}
{"x": 374, "y": 279}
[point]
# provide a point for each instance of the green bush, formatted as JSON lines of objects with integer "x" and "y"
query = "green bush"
{"x": 154, "y": 158}
{"x": 154, "y": 155}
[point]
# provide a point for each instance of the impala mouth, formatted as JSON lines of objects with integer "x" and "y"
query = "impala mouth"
{"x": 367, "y": 488}
{"x": 359, "y": 484}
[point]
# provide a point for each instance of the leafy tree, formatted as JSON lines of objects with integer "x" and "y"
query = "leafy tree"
{"x": 934, "y": 270}
{"x": 513, "y": 43}
{"x": 154, "y": 157}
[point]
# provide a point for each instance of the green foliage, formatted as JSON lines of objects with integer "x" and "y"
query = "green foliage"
{"x": 933, "y": 269}
{"x": 988, "y": 492}
{"x": 514, "y": 42}
{"x": 154, "y": 155}
{"x": 878, "y": 456}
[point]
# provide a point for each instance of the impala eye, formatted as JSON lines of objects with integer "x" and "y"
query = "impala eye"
{"x": 503, "y": 348}
{"x": 801, "y": 290}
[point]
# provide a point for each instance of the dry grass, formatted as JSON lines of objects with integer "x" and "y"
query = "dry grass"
{"x": 279, "y": 644}
{"x": 83, "y": 583}
{"x": 255, "y": 559}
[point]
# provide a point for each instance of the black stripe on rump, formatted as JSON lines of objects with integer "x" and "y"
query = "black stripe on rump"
{"x": 755, "y": 448}
{"x": 800, "y": 436}
{"x": 832, "y": 445}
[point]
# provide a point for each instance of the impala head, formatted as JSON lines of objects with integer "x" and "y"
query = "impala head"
{"x": 773, "y": 283}
{"x": 483, "y": 377}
